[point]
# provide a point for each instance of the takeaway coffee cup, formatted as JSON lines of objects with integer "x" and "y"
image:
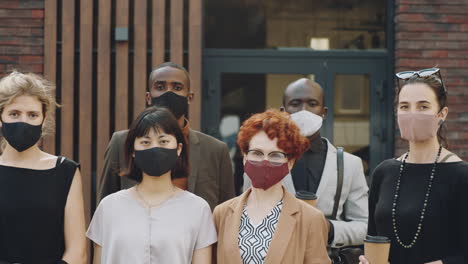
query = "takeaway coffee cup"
{"x": 377, "y": 249}
{"x": 308, "y": 197}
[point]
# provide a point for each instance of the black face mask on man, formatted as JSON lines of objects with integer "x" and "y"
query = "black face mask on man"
{"x": 156, "y": 161}
{"x": 20, "y": 135}
{"x": 177, "y": 104}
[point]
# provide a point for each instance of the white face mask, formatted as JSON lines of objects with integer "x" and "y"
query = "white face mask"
{"x": 308, "y": 122}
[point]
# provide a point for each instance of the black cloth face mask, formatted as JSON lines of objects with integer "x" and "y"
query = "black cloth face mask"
{"x": 156, "y": 161}
{"x": 20, "y": 135}
{"x": 177, "y": 104}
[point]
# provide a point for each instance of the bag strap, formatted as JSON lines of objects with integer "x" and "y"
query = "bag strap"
{"x": 339, "y": 183}
{"x": 59, "y": 161}
{"x": 446, "y": 157}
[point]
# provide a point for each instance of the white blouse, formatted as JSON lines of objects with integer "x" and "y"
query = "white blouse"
{"x": 129, "y": 232}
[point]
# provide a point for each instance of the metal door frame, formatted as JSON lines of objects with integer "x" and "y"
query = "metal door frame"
{"x": 324, "y": 64}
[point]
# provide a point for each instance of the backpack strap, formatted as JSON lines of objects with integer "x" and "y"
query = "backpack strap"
{"x": 339, "y": 183}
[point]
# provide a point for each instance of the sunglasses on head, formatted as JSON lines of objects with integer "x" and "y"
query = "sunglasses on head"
{"x": 406, "y": 75}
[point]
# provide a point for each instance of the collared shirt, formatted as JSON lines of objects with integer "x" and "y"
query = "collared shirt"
{"x": 182, "y": 183}
{"x": 308, "y": 169}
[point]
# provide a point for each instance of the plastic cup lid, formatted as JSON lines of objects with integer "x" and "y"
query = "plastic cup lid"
{"x": 377, "y": 239}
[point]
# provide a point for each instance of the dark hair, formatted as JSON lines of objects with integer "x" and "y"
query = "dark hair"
{"x": 172, "y": 65}
{"x": 159, "y": 119}
{"x": 437, "y": 86}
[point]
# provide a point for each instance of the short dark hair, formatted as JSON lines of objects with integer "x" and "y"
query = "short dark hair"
{"x": 159, "y": 119}
{"x": 172, "y": 65}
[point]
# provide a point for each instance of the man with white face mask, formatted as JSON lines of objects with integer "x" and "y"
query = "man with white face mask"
{"x": 316, "y": 170}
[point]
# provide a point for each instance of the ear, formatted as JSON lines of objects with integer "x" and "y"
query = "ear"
{"x": 148, "y": 98}
{"x": 443, "y": 113}
{"x": 325, "y": 112}
{"x": 291, "y": 164}
{"x": 190, "y": 96}
{"x": 179, "y": 148}
{"x": 44, "y": 119}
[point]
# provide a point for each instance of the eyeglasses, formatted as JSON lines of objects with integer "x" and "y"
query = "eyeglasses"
{"x": 406, "y": 75}
{"x": 276, "y": 158}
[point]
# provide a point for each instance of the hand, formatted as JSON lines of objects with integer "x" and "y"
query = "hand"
{"x": 363, "y": 260}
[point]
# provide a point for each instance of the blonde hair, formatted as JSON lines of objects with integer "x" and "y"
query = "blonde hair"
{"x": 17, "y": 84}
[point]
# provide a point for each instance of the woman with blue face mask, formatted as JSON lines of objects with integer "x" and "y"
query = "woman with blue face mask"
{"x": 41, "y": 202}
{"x": 154, "y": 221}
{"x": 419, "y": 200}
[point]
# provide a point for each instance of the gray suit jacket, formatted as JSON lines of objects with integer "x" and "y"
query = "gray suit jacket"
{"x": 210, "y": 176}
{"x": 353, "y": 209}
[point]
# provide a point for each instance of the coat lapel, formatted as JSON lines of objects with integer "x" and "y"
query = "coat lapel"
{"x": 232, "y": 227}
{"x": 194, "y": 158}
{"x": 284, "y": 229}
{"x": 329, "y": 171}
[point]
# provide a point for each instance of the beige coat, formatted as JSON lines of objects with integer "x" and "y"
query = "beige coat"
{"x": 300, "y": 236}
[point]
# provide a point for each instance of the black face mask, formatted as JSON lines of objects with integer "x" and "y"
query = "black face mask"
{"x": 21, "y": 136}
{"x": 177, "y": 104}
{"x": 156, "y": 161}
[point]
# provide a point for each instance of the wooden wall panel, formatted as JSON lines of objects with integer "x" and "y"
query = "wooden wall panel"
{"x": 79, "y": 139}
{"x": 140, "y": 74}
{"x": 50, "y": 58}
{"x": 103, "y": 82}
{"x": 158, "y": 32}
{"x": 67, "y": 83}
{"x": 195, "y": 60}
{"x": 86, "y": 99}
{"x": 121, "y": 71}
{"x": 177, "y": 31}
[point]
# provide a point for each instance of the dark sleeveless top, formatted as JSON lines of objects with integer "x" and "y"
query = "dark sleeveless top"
{"x": 32, "y": 209}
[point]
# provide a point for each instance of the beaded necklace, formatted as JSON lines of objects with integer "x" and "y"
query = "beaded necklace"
{"x": 426, "y": 199}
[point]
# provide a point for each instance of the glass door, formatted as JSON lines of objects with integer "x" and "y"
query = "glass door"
{"x": 238, "y": 84}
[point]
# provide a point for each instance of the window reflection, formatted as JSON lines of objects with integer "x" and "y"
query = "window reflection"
{"x": 352, "y": 118}
{"x": 321, "y": 25}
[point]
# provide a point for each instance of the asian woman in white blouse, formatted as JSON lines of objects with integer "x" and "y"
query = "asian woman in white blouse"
{"x": 153, "y": 222}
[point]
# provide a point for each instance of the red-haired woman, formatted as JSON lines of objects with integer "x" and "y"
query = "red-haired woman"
{"x": 266, "y": 224}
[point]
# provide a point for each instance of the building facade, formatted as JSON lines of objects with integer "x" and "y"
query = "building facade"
{"x": 241, "y": 55}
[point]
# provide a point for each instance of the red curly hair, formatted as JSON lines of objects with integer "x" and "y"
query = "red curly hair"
{"x": 275, "y": 124}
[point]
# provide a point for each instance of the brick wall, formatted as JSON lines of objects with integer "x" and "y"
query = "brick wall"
{"x": 435, "y": 33}
{"x": 21, "y": 35}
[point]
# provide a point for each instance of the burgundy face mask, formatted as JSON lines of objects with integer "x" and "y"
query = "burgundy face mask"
{"x": 264, "y": 175}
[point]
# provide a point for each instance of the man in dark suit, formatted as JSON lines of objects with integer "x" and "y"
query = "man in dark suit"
{"x": 211, "y": 174}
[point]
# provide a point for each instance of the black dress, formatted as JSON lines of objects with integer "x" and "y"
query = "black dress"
{"x": 32, "y": 208}
{"x": 444, "y": 234}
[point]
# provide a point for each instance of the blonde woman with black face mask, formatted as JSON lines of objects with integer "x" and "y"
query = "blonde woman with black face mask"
{"x": 419, "y": 200}
{"x": 41, "y": 202}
